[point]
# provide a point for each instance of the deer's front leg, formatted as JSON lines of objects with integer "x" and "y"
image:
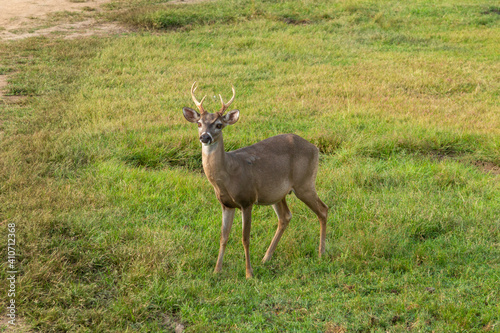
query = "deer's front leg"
{"x": 227, "y": 222}
{"x": 247, "y": 223}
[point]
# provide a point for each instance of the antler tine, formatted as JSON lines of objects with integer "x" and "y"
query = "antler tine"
{"x": 198, "y": 104}
{"x": 226, "y": 105}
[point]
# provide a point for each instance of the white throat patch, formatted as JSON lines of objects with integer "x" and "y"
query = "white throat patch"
{"x": 208, "y": 148}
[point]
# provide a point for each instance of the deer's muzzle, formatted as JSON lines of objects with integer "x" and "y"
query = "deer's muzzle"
{"x": 206, "y": 138}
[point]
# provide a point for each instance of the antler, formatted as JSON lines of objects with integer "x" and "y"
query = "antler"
{"x": 226, "y": 105}
{"x": 198, "y": 104}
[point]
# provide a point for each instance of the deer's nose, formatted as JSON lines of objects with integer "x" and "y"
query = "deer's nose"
{"x": 206, "y": 138}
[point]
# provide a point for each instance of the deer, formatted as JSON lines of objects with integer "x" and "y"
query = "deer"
{"x": 260, "y": 174}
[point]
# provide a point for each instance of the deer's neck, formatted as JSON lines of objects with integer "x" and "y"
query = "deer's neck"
{"x": 214, "y": 162}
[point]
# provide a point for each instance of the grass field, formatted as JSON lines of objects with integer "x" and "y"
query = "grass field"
{"x": 118, "y": 229}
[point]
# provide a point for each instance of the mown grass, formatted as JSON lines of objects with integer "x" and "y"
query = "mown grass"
{"x": 118, "y": 228}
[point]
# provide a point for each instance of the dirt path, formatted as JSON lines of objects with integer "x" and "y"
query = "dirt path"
{"x": 30, "y": 18}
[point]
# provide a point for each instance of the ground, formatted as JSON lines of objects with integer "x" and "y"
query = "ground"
{"x": 32, "y": 18}
{"x": 67, "y": 19}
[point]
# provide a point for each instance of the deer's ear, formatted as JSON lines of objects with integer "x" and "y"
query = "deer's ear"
{"x": 231, "y": 117}
{"x": 191, "y": 115}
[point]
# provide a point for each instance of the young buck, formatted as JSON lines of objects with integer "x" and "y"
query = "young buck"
{"x": 260, "y": 174}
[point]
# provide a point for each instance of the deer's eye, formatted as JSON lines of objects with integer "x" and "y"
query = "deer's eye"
{"x": 199, "y": 124}
{"x": 218, "y": 126}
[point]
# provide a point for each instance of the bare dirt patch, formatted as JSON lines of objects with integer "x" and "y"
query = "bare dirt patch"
{"x": 488, "y": 167}
{"x": 32, "y": 18}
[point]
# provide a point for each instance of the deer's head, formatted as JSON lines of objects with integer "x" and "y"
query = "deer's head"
{"x": 210, "y": 125}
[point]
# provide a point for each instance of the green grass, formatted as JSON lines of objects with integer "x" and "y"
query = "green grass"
{"x": 118, "y": 228}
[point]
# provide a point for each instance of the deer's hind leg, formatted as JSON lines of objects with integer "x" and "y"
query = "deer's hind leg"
{"x": 284, "y": 217}
{"x": 247, "y": 223}
{"x": 309, "y": 196}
